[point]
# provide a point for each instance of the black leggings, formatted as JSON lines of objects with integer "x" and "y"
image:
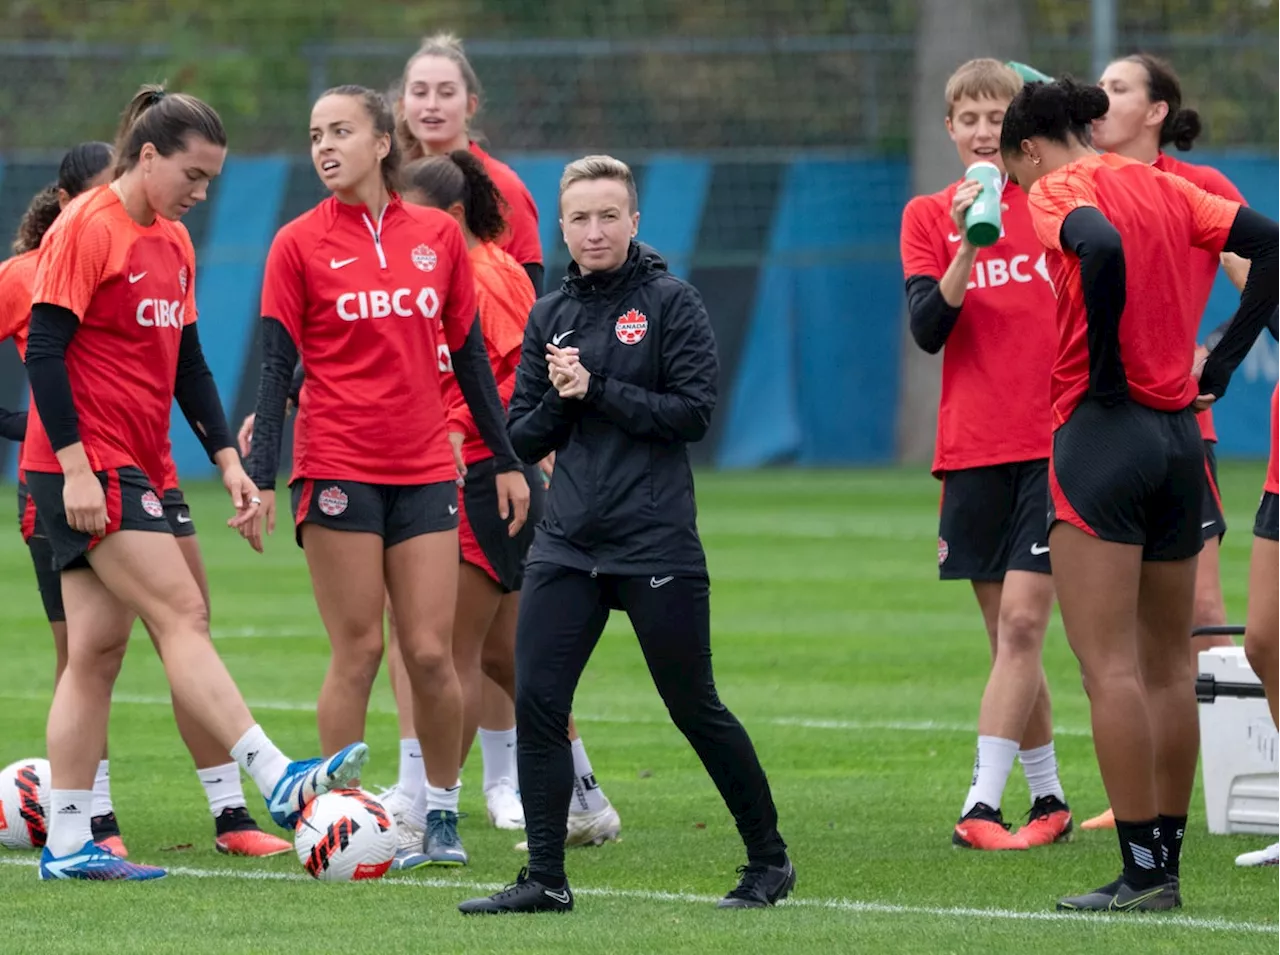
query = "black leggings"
{"x": 562, "y": 614}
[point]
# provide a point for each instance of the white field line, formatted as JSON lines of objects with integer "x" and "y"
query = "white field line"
{"x": 852, "y": 726}
{"x": 840, "y": 905}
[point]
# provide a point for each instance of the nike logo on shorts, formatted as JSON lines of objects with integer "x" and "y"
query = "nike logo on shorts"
{"x": 656, "y": 582}
{"x": 184, "y": 519}
{"x": 1039, "y": 549}
{"x": 453, "y": 508}
{"x": 1207, "y": 524}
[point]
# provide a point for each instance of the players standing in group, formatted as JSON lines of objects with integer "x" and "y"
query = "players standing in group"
{"x": 440, "y": 94}
{"x": 359, "y": 288}
{"x": 112, "y": 343}
{"x": 1127, "y": 460}
{"x": 990, "y": 311}
{"x": 235, "y": 832}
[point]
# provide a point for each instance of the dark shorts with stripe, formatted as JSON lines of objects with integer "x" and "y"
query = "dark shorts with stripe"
{"x": 395, "y": 512}
{"x": 1212, "y": 520}
{"x": 991, "y": 521}
{"x": 1131, "y": 475}
{"x": 177, "y": 513}
{"x": 132, "y": 505}
{"x": 483, "y": 537}
{"x": 48, "y": 580}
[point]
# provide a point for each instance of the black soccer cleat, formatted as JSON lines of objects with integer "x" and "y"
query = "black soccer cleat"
{"x": 523, "y": 895}
{"x": 1120, "y": 896}
{"x": 760, "y": 886}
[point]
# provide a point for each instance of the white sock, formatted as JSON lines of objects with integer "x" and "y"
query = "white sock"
{"x": 1041, "y": 766}
{"x": 442, "y": 799}
{"x": 412, "y": 774}
{"x": 101, "y": 790}
{"x": 499, "y": 750}
{"x": 416, "y": 815}
{"x": 991, "y": 771}
{"x": 587, "y": 795}
{"x": 222, "y": 787}
{"x": 261, "y": 759}
{"x": 69, "y": 826}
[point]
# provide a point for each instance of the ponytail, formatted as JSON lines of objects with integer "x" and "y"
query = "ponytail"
{"x": 460, "y": 177}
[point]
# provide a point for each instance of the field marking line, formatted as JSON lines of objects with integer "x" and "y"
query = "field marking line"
{"x": 841, "y": 905}
{"x": 893, "y": 726}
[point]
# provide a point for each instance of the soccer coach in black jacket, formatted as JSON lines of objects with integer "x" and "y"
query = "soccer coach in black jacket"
{"x": 617, "y": 374}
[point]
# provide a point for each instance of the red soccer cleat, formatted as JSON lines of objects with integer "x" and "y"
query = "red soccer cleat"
{"x": 239, "y": 835}
{"x": 984, "y": 828}
{"x": 106, "y": 833}
{"x": 1048, "y": 822}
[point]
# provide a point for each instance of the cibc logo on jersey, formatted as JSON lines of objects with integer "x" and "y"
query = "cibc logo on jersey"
{"x": 159, "y": 313}
{"x": 993, "y": 273}
{"x": 383, "y": 303}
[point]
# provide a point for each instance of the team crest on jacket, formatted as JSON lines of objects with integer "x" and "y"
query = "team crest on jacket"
{"x": 631, "y": 327}
{"x": 424, "y": 257}
{"x": 151, "y": 504}
{"x": 333, "y": 501}
{"x": 182, "y": 279}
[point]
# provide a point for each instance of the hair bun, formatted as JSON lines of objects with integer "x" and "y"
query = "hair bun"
{"x": 1086, "y": 103}
{"x": 1185, "y": 128}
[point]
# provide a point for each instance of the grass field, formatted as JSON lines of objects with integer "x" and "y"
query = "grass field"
{"x": 857, "y": 673}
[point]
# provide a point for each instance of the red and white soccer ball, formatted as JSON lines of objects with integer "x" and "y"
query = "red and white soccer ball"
{"x": 345, "y": 835}
{"x": 24, "y": 804}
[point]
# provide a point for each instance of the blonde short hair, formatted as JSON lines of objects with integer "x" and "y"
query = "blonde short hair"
{"x": 983, "y": 78}
{"x": 589, "y": 168}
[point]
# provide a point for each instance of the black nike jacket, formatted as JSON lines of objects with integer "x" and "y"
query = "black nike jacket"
{"x": 621, "y": 499}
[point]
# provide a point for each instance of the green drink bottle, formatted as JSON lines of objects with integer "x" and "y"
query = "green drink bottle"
{"x": 1029, "y": 74}
{"x": 982, "y": 219}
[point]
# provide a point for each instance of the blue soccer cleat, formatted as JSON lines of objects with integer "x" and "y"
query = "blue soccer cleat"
{"x": 97, "y": 864}
{"x": 306, "y": 779}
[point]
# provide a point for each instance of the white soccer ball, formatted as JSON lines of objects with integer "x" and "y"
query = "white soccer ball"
{"x": 345, "y": 835}
{"x": 24, "y": 804}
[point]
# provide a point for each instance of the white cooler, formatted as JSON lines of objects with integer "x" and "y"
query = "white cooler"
{"x": 1238, "y": 745}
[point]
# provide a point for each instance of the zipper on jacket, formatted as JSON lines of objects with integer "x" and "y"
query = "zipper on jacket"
{"x": 377, "y": 235}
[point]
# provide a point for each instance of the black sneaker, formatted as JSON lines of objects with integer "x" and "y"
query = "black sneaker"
{"x": 1120, "y": 896}
{"x": 523, "y": 895}
{"x": 760, "y": 886}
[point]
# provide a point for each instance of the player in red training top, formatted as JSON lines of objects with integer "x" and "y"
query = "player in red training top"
{"x": 1127, "y": 464}
{"x": 439, "y": 96}
{"x": 1145, "y": 115}
{"x": 359, "y": 287}
{"x": 84, "y": 167}
{"x": 112, "y": 343}
{"x": 992, "y": 309}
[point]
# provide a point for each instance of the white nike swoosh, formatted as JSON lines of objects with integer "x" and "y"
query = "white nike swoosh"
{"x": 557, "y": 339}
{"x": 136, "y": 278}
{"x": 1207, "y": 524}
{"x": 1037, "y": 550}
{"x": 336, "y": 264}
{"x": 453, "y": 509}
{"x": 561, "y": 897}
{"x": 184, "y": 519}
{"x": 656, "y": 582}
{"x": 952, "y": 237}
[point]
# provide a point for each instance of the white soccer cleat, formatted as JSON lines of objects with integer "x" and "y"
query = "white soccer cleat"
{"x": 594, "y": 828}
{"x": 505, "y": 809}
{"x": 1268, "y": 856}
{"x": 397, "y": 804}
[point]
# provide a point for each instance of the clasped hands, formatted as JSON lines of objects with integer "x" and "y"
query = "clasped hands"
{"x": 566, "y": 373}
